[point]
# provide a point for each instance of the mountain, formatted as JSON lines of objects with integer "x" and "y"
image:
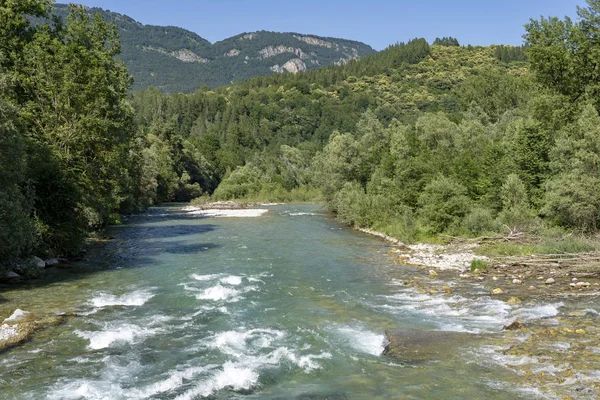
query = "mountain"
{"x": 177, "y": 60}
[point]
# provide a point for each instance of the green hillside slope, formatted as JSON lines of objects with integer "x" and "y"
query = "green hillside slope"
{"x": 177, "y": 60}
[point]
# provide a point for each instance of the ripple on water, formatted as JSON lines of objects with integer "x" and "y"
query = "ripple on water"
{"x": 116, "y": 334}
{"x": 449, "y": 313}
{"x": 135, "y": 298}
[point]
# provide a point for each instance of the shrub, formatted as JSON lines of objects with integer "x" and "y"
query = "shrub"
{"x": 444, "y": 203}
{"x": 480, "y": 221}
{"x": 515, "y": 213}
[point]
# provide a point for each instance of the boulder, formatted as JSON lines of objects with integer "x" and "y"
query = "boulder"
{"x": 412, "y": 345}
{"x": 39, "y": 262}
{"x": 13, "y": 275}
{"x": 17, "y": 315}
{"x": 51, "y": 262}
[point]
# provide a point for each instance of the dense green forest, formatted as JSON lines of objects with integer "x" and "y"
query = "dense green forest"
{"x": 416, "y": 140}
{"x": 177, "y": 60}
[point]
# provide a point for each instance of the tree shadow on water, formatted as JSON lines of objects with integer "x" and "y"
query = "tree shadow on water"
{"x": 133, "y": 248}
{"x": 160, "y": 232}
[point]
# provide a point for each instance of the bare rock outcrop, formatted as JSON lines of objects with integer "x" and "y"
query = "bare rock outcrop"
{"x": 295, "y": 65}
{"x": 315, "y": 41}
{"x": 232, "y": 53}
{"x": 271, "y": 51}
{"x": 184, "y": 55}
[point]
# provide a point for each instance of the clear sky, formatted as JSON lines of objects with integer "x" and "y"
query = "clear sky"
{"x": 375, "y": 22}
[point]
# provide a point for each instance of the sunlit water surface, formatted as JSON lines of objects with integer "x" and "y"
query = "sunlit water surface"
{"x": 290, "y": 305}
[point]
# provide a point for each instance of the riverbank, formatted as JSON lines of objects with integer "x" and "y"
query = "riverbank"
{"x": 544, "y": 275}
{"x": 551, "y": 340}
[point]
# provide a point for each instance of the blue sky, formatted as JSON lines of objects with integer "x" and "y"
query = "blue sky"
{"x": 375, "y": 22}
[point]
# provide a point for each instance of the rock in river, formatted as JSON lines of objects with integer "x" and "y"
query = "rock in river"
{"x": 17, "y": 315}
{"x": 413, "y": 345}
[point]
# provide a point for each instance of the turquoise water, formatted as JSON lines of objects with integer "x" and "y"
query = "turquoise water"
{"x": 290, "y": 305}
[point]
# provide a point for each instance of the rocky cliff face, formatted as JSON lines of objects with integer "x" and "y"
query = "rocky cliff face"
{"x": 174, "y": 59}
{"x": 294, "y": 65}
{"x": 183, "y": 55}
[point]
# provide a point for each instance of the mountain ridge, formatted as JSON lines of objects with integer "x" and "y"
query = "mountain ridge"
{"x": 175, "y": 59}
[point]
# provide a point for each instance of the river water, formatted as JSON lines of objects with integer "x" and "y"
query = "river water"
{"x": 290, "y": 305}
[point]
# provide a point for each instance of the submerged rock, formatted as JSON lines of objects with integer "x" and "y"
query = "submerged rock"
{"x": 515, "y": 326}
{"x": 20, "y": 327}
{"x": 413, "y": 345}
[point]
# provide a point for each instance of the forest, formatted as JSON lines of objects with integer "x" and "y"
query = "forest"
{"x": 149, "y": 52}
{"x": 416, "y": 141}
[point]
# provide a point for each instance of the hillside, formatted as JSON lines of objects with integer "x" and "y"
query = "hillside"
{"x": 177, "y": 60}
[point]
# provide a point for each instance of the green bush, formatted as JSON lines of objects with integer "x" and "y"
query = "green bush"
{"x": 480, "y": 221}
{"x": 444, "y": 203}
{"x": 515, "y": 213}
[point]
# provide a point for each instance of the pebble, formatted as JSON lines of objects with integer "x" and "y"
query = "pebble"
{"x": 497, "y": 291}
{"x": 517, "y": 281}
{"x": 495, "y": 278}
{"x": 532, "y": 287}
{"x": 513, "y": 300}
{"x": 432, "y": 272}
{"x": 550, "y": 281}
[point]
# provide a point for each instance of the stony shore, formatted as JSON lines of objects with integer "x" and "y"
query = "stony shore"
{"x": 558, "y": 355}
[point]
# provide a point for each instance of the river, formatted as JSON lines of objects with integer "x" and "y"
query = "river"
{"x": 290, "y": 305}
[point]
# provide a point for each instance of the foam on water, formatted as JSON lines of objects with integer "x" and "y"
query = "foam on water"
{"x": 450, "y": 313}
{"x": 232, "y": 280}
{"x": 361, "y": 339}
{"x": 136, "y": 298}
{"x": 86, "y": 390}
{"x": 203, "y": 278}
{"x": 538, "y": 312}
{"x": 238, "y": 343}
{"x": 175, "y": 380}
{"x": 233, "y": 375}
{"x": 218, "y": 292}
{"x": 116, "y": 335}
